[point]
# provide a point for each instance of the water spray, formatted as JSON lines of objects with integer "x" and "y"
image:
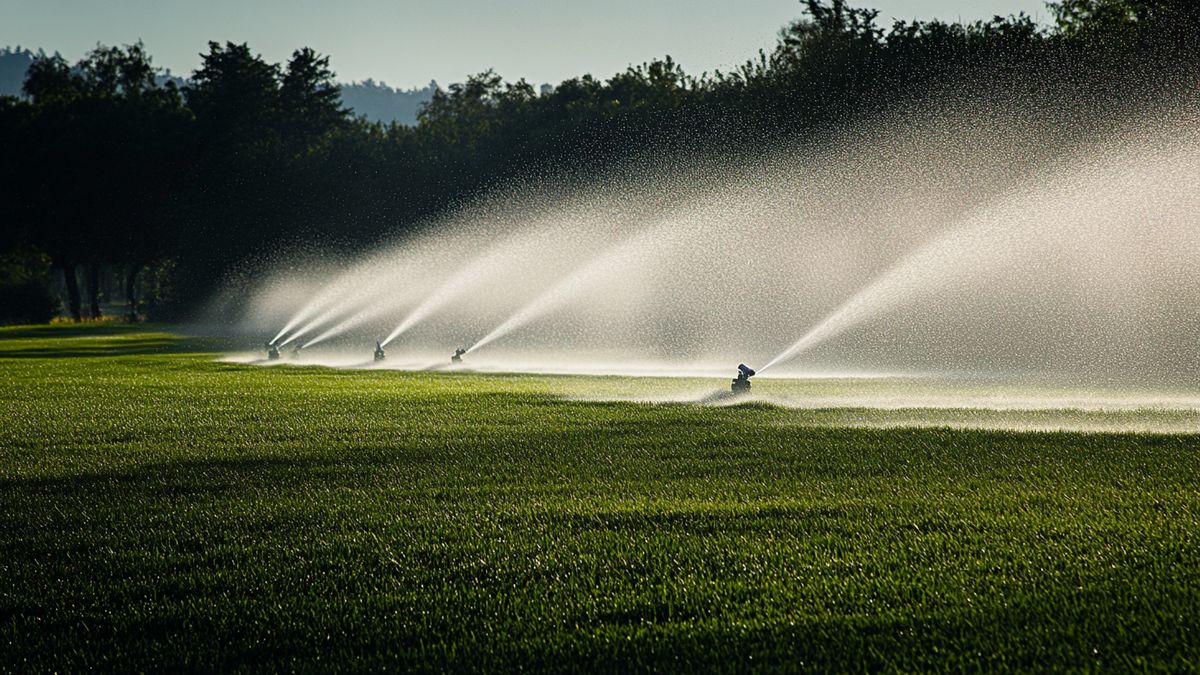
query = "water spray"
{"x": 325, "y": 317}
{"x": 911, "y": 251}
{"x": 609, "y": 262}
{"x": 314, "y": 313}
{"x": 361, "y": 286}
{"x": 464, "y": 279}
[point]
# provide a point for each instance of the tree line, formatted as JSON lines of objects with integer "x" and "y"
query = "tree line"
{"x": 109, "y": 169}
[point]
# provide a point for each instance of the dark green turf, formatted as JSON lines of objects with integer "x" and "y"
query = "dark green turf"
{"x": 162, "y": 511}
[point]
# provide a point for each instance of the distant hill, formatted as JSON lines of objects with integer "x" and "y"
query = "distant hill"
{"x": 380, "y": 103}
{"x": 14, "y": 61}
{"x": 373, "y": 100}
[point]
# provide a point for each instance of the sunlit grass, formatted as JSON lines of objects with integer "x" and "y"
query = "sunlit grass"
{"x": 160, "y": 510}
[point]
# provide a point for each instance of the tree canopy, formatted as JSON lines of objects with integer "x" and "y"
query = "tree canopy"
{"x": 106, "y": 163}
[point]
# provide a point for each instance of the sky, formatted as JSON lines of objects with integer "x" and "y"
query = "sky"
{"x": 407, "y": 43}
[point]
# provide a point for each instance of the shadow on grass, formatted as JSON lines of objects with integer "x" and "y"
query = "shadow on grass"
{"x": 199, "y": 478}
{"x": 93, "y": 350}
{"x": 69, "y": 330}
{"x": 99, "y": 340}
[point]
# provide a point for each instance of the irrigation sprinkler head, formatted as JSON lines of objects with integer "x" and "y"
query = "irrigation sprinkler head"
{"x": 741, "y": 383}
{"x": 379, "y": 353}
{"x": 272, "y": 352}
{"x": 458, "y": 354}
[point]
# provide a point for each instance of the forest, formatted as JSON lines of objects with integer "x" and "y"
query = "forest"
{"x": 117, "y": 183}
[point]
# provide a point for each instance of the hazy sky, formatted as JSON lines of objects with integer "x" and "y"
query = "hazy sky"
{"x": 409, "y": 42}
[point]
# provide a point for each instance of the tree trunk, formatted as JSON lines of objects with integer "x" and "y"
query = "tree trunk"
{"x": 68, "y": 270}
{"x": 93, "y": 286}
{"x": 131, "y": 274}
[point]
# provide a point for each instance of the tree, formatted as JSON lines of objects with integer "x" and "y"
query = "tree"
{"x": 309, "y": 100}
{"x": 106, "y": 167}
{"x": 50, "y": 79}
{"x": 235, "y": 97}
{"x": 101, "y": 143}
{"x": 1125, "y": 23}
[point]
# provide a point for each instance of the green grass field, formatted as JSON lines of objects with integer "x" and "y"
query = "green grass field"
{"x": 163, "y": 511}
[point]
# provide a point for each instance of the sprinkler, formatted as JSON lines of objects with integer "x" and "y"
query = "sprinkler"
{"x": 458, "y": 354}
{"x": 296, "y": 351}
{"x": 379, "y": 353}
{"x": 272, "y": 352}
{"x": 741, "y": 383}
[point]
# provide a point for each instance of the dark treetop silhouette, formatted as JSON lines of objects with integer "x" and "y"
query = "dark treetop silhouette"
{"x": 108, "y": 166}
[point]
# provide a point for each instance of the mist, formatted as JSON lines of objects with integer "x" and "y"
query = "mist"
{"x": 959, "y": 236}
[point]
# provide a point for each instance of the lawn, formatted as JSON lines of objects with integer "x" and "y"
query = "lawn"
{"x": 162, "y": 510}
